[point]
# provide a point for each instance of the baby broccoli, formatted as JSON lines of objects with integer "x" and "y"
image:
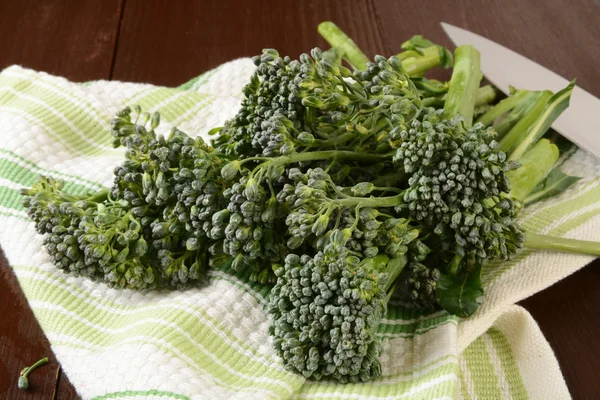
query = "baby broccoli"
{"x": 23, "y": 382}
{"x": 339, "y": 187}
{"x": 326, "y": 310}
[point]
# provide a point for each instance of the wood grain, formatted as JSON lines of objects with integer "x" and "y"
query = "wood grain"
{"x": 64, "y": 388}
{"x": 70, "y": 38}
{"x": 75, "y": 39}
{"x": 167, "y": 43}
{"x": 22, "y": 342}
{"x": 561, "y": 35}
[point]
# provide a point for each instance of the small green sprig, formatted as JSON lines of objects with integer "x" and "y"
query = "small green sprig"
{"x": 23, "y": 382}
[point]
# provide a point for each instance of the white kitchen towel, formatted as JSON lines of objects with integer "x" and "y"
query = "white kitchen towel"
{"x": 212, "y": 342}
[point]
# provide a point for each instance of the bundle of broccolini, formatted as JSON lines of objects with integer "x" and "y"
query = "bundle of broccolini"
{"x": 339, "y": 187}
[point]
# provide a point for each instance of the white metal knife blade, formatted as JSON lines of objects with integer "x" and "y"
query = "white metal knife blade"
{"x": 504, "y": 67}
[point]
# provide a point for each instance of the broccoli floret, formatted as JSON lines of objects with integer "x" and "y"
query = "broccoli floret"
{"x": 59, "y": 215}
{"x": 325, "y": 313}
{"x": 249, "y": 228}
{"x": 458, "y": 186}
{"x": 199, "y": 189}
{"x": 89, "y": 235}
{"x": 314, "y": 102}
{"x": 149, "y": 232}
{"x": 417, "y": 285}
{"x": 268, "y": 96}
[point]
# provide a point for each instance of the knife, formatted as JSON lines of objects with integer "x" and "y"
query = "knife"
{"x": 504, "y": 68}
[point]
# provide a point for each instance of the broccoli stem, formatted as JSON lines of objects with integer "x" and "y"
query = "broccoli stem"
{"x": 99, "y": 196}
{"x": 334, "y": 54}
{"x": 23, "y": 382}
{"x": 393, "y": 179}
{"x": 416, "y": 64}
{"x": 463, "y": 85}
{"x": 503, "y": 107}
{"x": 335, "y": 141}
{"x": 325, "y": 155}
{"x": 485, "y": 95}
{"x": 435, "y": 102}
{"x": 344, "y": 136}
{"x": 393, "y": 270}
{"x": 545, "y": 242}
{"x": 507, "y": 121}
{"x": 527, "y": 116}
{"x": 375, "y": 202}
{"x": 555, "y": 106}
{"x": 421, "y": 54}
{"x": 95, "y": 197}
{"x": 429, "y": 88}
{"x": 339, "y": 40}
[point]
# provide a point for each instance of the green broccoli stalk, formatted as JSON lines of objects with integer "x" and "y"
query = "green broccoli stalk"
{"x": 462, "y": 92}
{"x": 431, "y": 96}
{"x": 545, "y": 242}
{"x": 269, "y": 164}
{"x": 538, "y": 110}
{"x": 516, "y": 124}
{"x": 485, "y": 95}
{"x": 553, "y": 184}
{"x": 499, "y": 111}
{"x": 420, "y": 55}
{"x": 523, "y": 117}
{"x": 23, "y": 382}
{"x": 554, "y": 107}
{"x": 343, "y": 44}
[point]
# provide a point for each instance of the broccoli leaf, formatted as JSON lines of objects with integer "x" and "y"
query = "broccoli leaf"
{"x": 417, "y": 43}
{"x": 555, "y": 183}
{"x": 462, "y": 294}
{"x": 555, "y": 106}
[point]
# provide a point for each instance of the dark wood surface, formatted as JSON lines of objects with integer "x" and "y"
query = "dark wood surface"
{"x": 167, "y": 43}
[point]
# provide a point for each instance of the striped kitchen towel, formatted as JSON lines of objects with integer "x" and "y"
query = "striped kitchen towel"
{"x": 212, "y": 342}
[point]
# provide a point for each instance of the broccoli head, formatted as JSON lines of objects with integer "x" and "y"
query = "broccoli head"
{"x": 326, "y": 310}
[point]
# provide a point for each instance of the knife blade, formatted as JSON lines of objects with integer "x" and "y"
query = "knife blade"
{"x": 504, "y": 67}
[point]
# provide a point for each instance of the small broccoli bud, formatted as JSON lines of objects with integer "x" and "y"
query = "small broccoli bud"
{"x": 457, "y": 184}
{"x": 362, "y": 189}
{"x": 325, "y": 312}
{"x": 417, "y": 284}
{"x": 162, "y": 200}
{"x": 23, "y": 382}
{"x": 230, "y": 170}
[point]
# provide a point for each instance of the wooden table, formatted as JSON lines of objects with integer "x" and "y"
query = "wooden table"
{"x": 169, "y": 42}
